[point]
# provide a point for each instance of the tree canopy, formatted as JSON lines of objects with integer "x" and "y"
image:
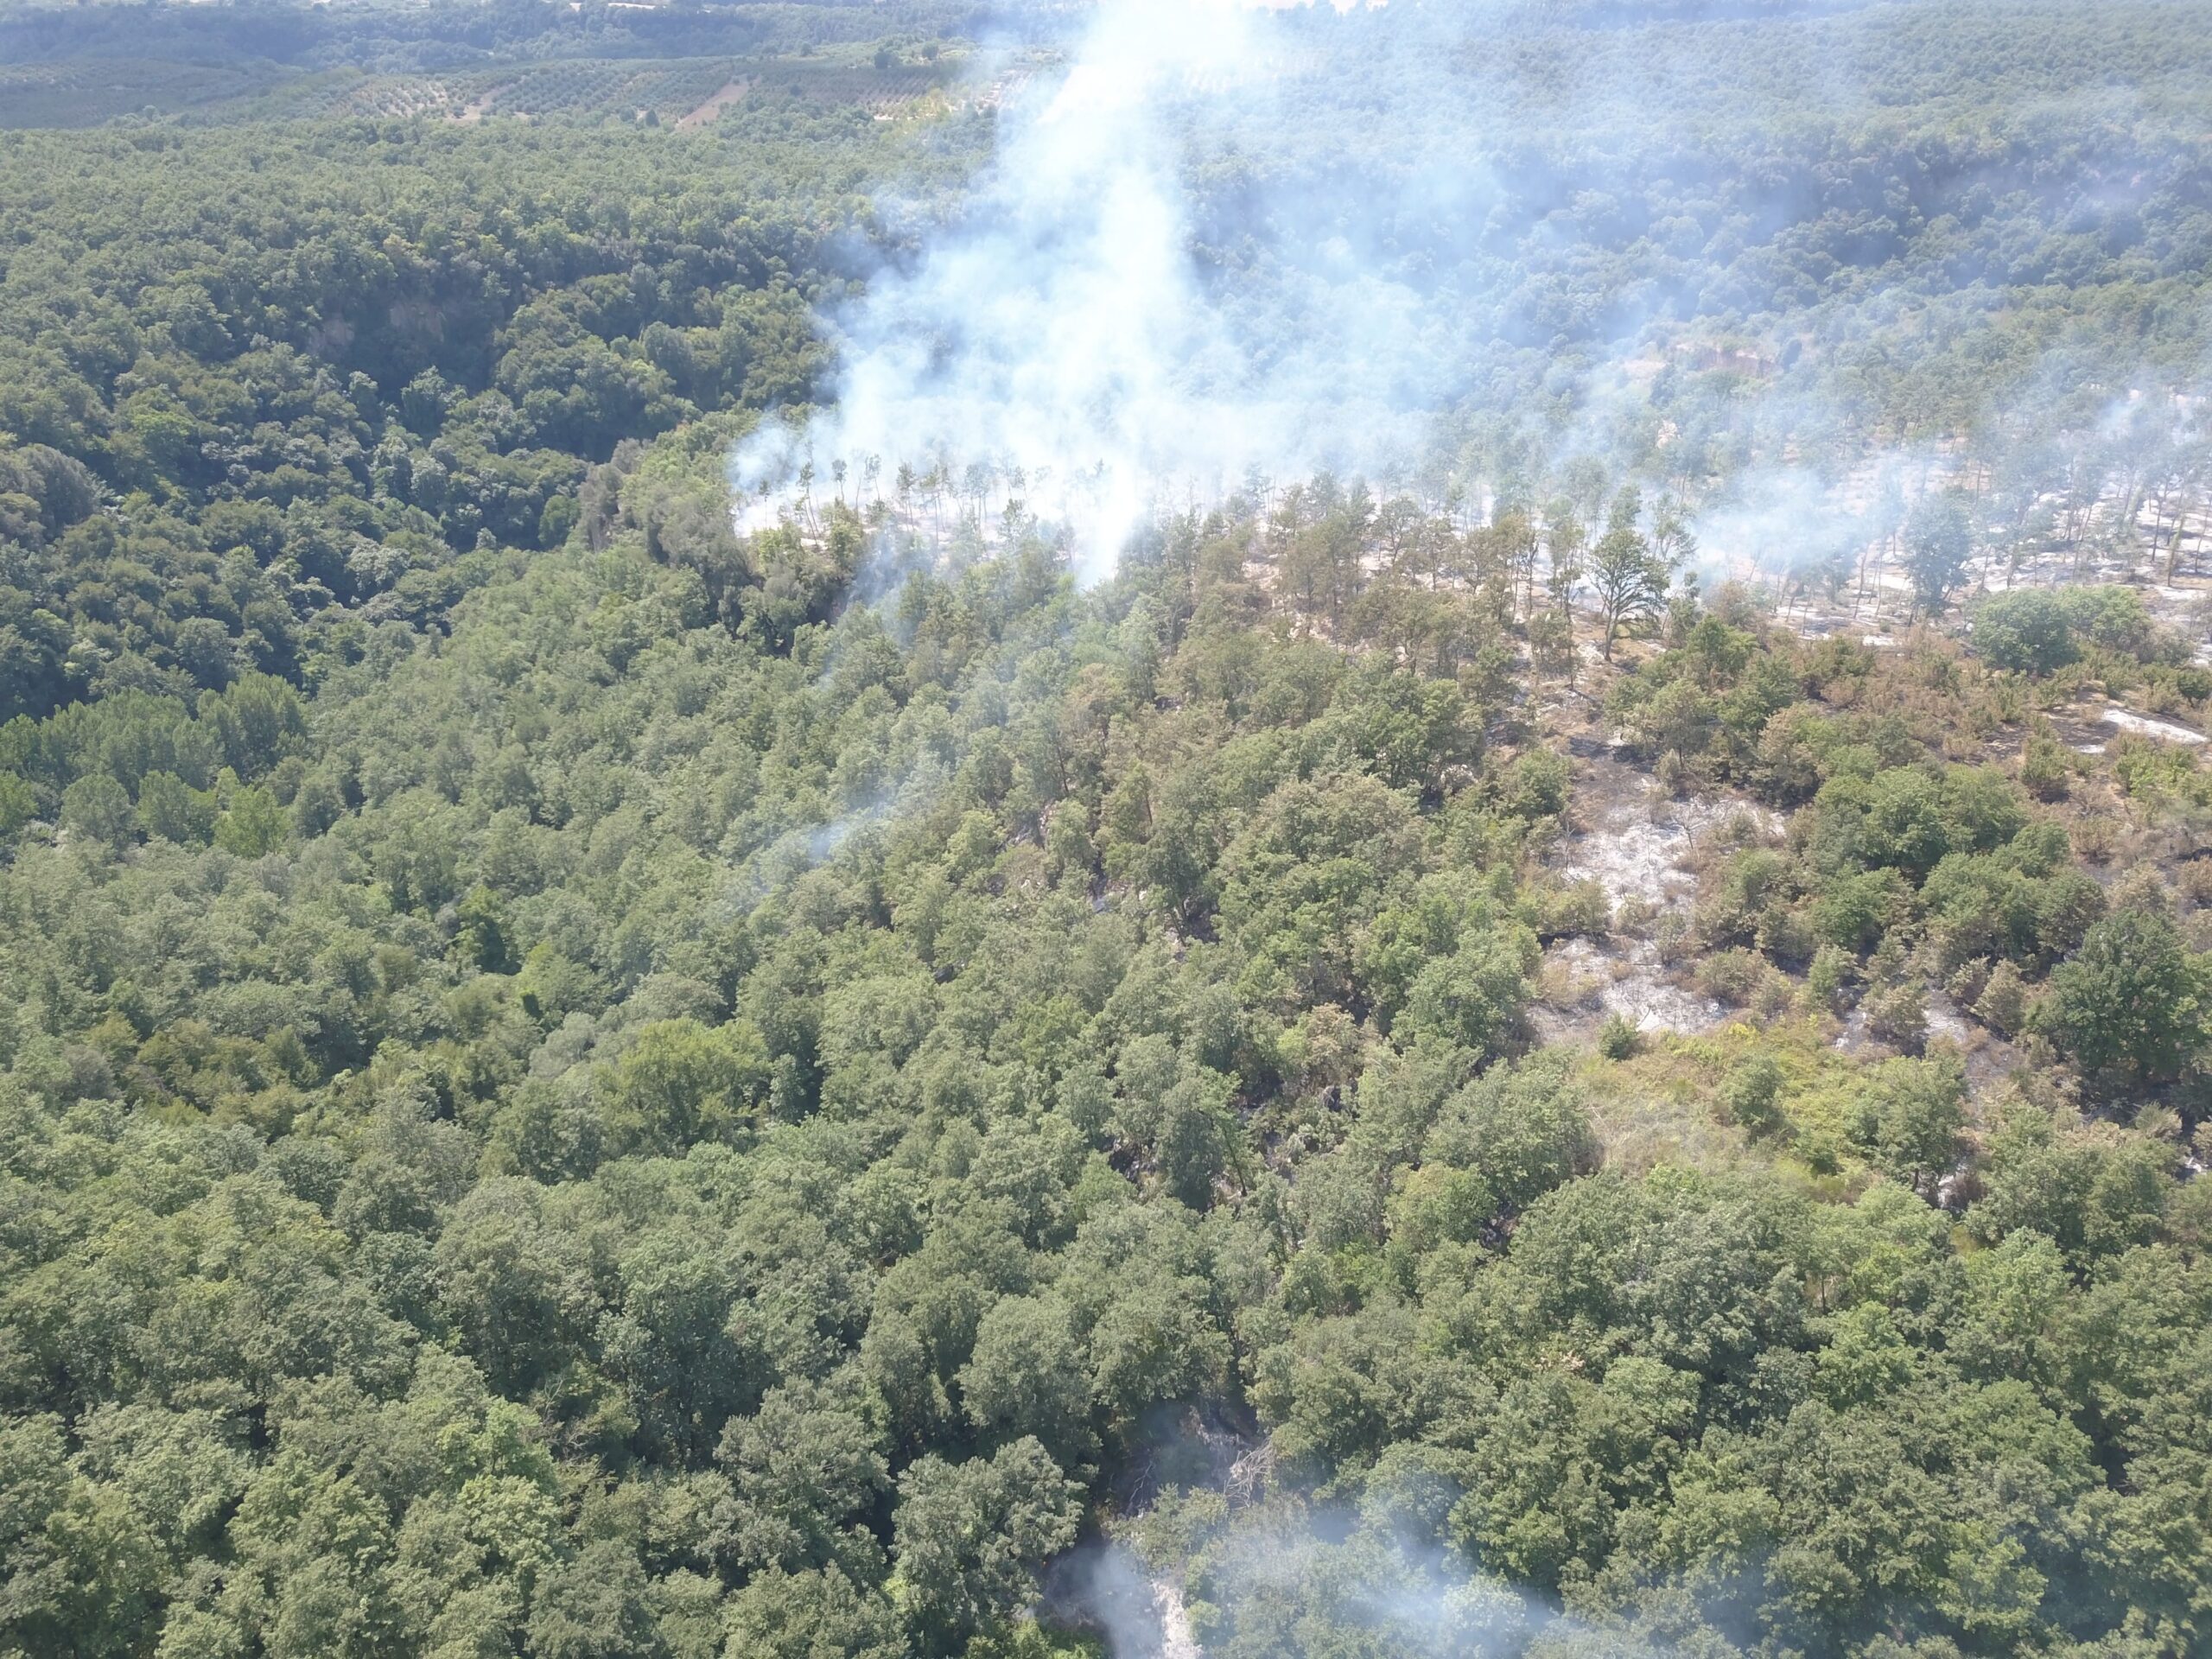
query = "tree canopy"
{"x": 585, "y": 1075}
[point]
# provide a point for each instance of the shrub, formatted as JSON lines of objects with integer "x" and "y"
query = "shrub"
{"x": 1732, "y": 976}
{"x": 1899, "y": 1014}
{"x": 1854, "y": 911}
{"x": 2131, "y": 999}
{"x": 96, "y": 808}
{"x": 1829, "y": 974}
{"x": 2193, "y": 879}
{"x": 2046, "y": 769}
{"x": 1773, "y": 998}
{"x": 1747, "y": 883}
{"x": 1580, "y": 910}
{"x": 1537, "y": 785}
{"x": 18, "y": 803}
{"x": 2093, "y": 839}
{"x": 1968, "y": 981}
{"x": 1823, "y": 1154}
{"x": 2003, "y": 1003}
{"x": 1752, "y": 1097}
{"x": 2040, "y": 630}
{"x": 2024, "y": 633}
{"x": 1786, "y": 936}
{"x": 253, "y": 825}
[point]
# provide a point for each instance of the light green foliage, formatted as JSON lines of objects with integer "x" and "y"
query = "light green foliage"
{"x": 680, "y": 1082}
{"x": 253, "y": 823}
{"x": 1752, "y": 1094}
{"x": 1628, "y": 572}
{"x": 2040, "y": 630}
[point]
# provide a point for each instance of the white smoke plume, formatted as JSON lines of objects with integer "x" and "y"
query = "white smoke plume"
{"x": 1219, "y": 240}
{"x": 1063, "y": 338}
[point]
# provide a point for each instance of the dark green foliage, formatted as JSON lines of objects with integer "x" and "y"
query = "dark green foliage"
{"x": 525, "y": 1182}
{"x": 2132, "y": 999}
{"x": 1939, "y": 540}
{"x": 288, "y": 460}
{"x": 1617, "y": 1038}
{"x": 2040, "y": 630}
{"x": 972, "y": 1534}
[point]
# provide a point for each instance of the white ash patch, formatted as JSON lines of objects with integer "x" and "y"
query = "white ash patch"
{"x": 1636, "y": 859}
{"x": 1853, "y": 1035}
{"x": 1638, "y": 845}
{"x": 1625, "y": 978}
{"x": 2128, "y": 720}
{"x": 1946, "y": 1022}
{"x": 1176, "y": 1639}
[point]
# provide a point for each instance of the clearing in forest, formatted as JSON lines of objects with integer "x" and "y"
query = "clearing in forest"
{"x": 723, "y": 96}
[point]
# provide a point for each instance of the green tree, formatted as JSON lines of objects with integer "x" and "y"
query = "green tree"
{"x": 800, "y": 1469}
{"x": 681, "y": 1081}
{"x": 171, "y": 809}
{"x": 2026, "y": 631}
{"x": 252, "y": 824}
{"x": 818, "y": 1614}
{"x": 481, "y": 938}
{"x": 970, "y": 1536}
{"x": 100, "y": 809}
{"x": 1938, "y": 543}
{"x": 1474, "y": 997}
{"x": 1028, "y": 1376}
{"x": 2131, "y": 999}
{"x": 1908, "y": 1115}
{"x": 1629, "y": 578}
{"x": 595, "y": 1606}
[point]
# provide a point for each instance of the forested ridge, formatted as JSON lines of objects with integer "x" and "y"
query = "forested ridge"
{"x": 312, "y": 385}
{"x": 574, "y": 1082}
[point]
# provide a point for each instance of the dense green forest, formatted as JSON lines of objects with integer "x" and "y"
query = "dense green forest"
{"x": 575, "y": 1083}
